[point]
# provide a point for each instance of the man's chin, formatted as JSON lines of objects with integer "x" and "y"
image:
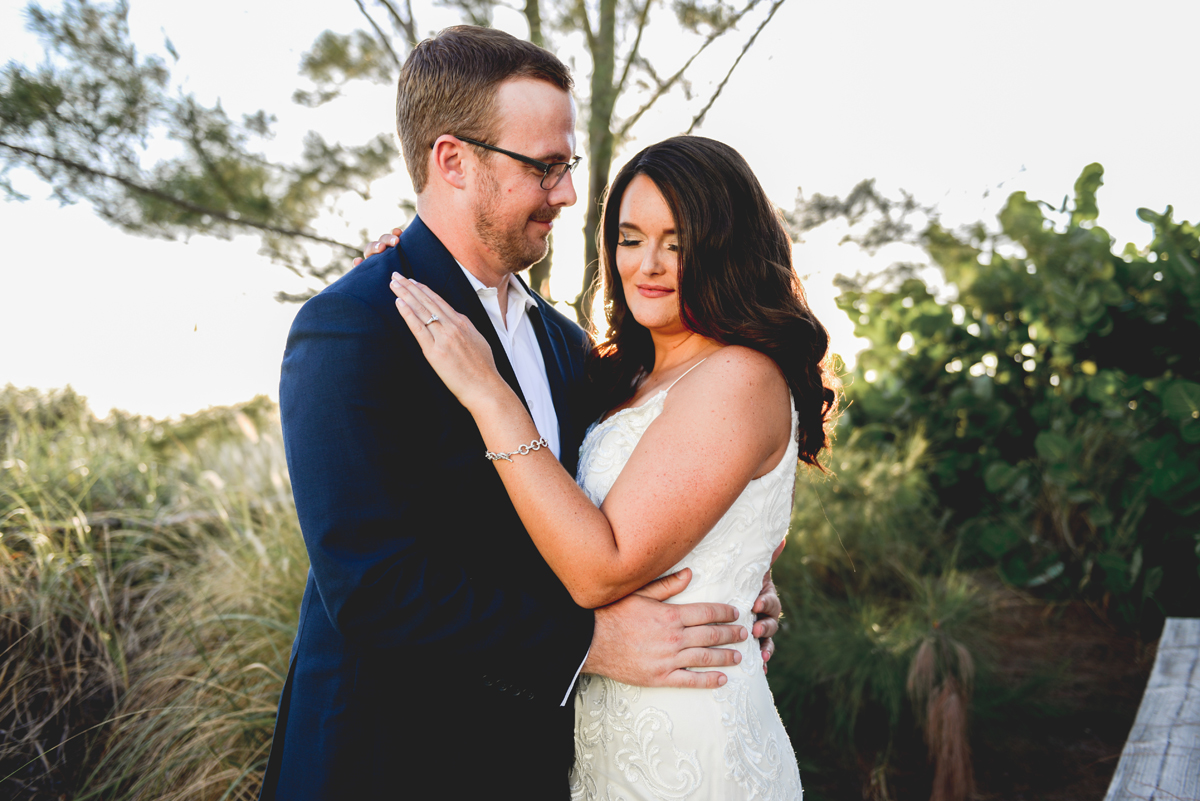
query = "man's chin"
{"x": 539, "y": 243}
{"x": 527, "y": 256}
{"x": 535, "y": 255}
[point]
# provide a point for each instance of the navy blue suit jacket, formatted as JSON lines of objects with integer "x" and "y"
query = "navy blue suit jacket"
{"x": 434, "y": 645}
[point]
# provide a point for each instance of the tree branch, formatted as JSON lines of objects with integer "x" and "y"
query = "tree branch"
{"x": 699, "y": 118}
{"x": 383, "y": 38}
{"x": 409, "y": 26}
{"x": 197, "y": 145}
{"x": 665, "y": 86}
{"x": 643, "y": 16}
{"x": 133, "y": 186}
{"x": 581, "y": 9}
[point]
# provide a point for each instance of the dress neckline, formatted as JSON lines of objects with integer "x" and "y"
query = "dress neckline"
{"x": 652, "y": 398}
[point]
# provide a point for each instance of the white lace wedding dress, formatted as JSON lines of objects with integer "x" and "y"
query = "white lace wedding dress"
{"x": 634, "y": 743}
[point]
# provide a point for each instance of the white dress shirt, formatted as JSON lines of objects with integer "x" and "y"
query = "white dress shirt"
{"x": 521, "y": 346}
{"x": 524, "y": 354}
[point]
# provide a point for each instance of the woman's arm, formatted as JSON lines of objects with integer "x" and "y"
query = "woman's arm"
{"x": 713, "y": 436}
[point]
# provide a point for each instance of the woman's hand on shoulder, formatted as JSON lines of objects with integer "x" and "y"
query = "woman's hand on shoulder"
{"x": 379, "y": 245}
{"x": 455, "y": 349}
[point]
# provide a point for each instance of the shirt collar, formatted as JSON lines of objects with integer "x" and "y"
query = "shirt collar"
{"x": 514, "y": 286}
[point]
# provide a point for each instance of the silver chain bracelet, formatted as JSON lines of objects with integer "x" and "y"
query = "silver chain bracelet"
{"x": 524, "y": 450}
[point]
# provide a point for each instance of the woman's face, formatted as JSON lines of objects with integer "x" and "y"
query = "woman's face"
{"x": 647, "y": 256}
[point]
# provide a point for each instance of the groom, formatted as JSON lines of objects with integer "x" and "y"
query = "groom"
{"x": 436, "y": 652}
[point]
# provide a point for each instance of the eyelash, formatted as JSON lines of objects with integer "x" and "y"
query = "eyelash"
{"x": 626, "y": 243}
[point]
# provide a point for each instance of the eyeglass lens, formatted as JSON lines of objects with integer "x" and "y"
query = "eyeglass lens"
{"x": 555, "y": 174}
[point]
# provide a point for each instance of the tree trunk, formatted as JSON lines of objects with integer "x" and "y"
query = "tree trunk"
{"x": 533, "y": 15}
{"x": 600, "y": 150}
{"x": 539, "y": 274}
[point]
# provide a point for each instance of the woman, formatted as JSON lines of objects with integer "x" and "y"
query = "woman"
{"x": 713, "y": 377}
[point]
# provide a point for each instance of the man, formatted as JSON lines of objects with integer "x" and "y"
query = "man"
{"x": 436, "y": 651}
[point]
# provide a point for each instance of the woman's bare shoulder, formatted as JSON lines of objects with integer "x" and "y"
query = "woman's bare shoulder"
{"x": 740, "y": 377}
{"x": 737, "y": 395}
{"x": 742, "y": 366}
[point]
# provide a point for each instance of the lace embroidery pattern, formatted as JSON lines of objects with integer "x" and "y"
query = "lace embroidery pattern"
{"x": 637, "y": 741}
{"x": 754, "y": 757}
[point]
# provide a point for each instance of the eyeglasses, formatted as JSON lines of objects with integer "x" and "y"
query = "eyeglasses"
{"x": 552, "y": 174}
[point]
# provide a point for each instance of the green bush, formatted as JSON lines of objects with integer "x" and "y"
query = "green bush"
{"x": 880, "y": 624}
{"x": 1060, "y": 393}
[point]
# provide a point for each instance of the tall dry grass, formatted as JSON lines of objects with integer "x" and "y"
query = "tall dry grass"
{"x": 150, "y": 574}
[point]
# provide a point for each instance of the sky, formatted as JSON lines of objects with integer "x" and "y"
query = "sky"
{"x": 958, "y": 103}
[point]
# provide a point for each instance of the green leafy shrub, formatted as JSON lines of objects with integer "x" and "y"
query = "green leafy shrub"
{"x": 880, "y": 628}
{"x": 1060, "y": 393}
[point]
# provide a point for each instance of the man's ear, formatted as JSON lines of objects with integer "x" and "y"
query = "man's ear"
{"x": 447, "y": 161}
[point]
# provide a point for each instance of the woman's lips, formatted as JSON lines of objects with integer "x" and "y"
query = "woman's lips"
{"x": 652, "y": 291}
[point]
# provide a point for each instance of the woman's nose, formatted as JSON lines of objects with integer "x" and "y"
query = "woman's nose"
{"x": 652, "y": 262}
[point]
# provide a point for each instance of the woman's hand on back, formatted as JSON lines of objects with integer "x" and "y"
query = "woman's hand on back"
{"x": 379, "y": 245}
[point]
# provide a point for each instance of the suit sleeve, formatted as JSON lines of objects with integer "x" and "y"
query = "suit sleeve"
{"x": 352, "y": 400}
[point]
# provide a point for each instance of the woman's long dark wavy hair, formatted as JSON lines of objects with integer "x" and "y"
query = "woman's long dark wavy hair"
{"x": 736, "y": 284}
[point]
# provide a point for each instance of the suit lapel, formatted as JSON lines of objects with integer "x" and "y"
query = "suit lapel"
{"x": 428, "y": 262}
{"x": 556, "y": 356}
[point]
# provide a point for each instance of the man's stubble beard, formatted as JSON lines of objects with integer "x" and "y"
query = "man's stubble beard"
{"x": 514, "y": 249}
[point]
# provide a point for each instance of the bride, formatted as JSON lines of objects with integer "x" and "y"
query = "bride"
{"x": 713, "y": 379}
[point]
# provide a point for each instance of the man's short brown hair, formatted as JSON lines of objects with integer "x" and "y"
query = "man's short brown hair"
{"x": 448, "y": 86}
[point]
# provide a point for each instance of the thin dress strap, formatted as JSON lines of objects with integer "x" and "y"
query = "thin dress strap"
{"x": 685, "y": 372}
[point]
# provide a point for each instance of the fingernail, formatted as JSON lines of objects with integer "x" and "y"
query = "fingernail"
{"x": 742, "y": 629}
{"x": 396, "y": 276}
{"x": 766, "y": 656}
{"x": 721, "y": 680}
{"x": 737, "y": 657}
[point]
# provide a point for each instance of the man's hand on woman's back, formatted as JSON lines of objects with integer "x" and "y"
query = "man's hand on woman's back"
{"x": 641, "y": 641}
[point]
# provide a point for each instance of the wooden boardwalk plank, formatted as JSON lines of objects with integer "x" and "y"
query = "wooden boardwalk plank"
{"x": 1161, "y": 758}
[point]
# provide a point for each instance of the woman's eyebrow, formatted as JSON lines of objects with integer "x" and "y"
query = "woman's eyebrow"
{"x": 628, "y": 226}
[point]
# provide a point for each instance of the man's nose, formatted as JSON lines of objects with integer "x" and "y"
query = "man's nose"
{"x": 564, "y": 193}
